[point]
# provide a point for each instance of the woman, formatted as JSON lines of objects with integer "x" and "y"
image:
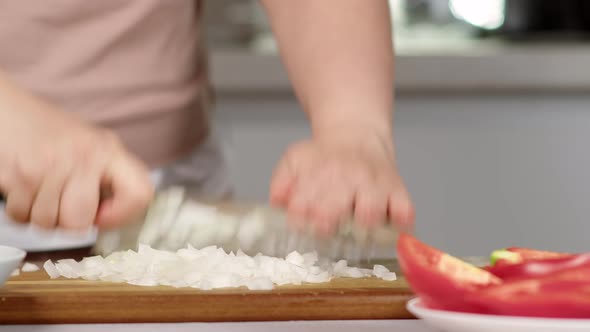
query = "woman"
{"x": 93, "y": 94}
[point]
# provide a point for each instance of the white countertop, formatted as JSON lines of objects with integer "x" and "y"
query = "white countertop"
{"x": 482, "y": 66}
{"x": 308, "y": 326}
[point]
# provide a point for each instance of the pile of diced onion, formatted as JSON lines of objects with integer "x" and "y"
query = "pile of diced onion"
{"x": 208, "y": 268}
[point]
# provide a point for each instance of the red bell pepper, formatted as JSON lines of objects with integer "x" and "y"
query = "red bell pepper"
{"x": 564, "y": 294}
{"x": 514, "y": 255}
{"x": 535, "y": 268}
{"x": 527, "y": 253}
{"x": 441, "y": 280}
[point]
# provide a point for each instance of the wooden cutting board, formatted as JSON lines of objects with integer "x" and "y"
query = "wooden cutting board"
{"x": 33, "y": 298}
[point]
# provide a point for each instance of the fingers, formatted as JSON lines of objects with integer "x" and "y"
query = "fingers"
{"x": 63, "y": 190}
{"x": 79, "y": 201}
{"x": 322, "y": 201}
{"x": 18, "y": 204}
{"x": 21, "y": 187}
{"x": 64, "y": 198}
{"x": 312, "y": 206}
{"x": 281, "y": 183}
{"x": 131, "y": 190}
{"x": 401, "y": 210}
{"x": 328, "y": 209}
{"x": 45, "y": 210}
{"x": 298, "y": 211}
{"x": 370, "y": 208}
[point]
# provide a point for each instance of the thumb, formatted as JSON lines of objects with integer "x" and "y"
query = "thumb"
{"x": 129, "y": 192}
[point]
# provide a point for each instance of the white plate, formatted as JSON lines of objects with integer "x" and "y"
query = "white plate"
{"x": 10, "y": 259}
{"x": 449, "y": 321}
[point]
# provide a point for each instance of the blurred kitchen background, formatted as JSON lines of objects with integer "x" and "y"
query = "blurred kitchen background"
{"x": 492, "y": 116}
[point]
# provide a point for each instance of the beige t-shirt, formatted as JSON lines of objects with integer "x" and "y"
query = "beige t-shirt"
{"x": 135, "y": 66}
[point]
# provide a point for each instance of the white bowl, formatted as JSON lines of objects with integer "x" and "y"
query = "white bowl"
{"x": 449, "y": 321}
{"x": 10, "y": 259}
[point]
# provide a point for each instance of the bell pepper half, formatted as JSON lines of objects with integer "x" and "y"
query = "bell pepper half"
{"x": 564, "y": 294}
{"x": 535, "y": 268}
{"x": 514, "y": 255}
{"x": 441, "y": 280}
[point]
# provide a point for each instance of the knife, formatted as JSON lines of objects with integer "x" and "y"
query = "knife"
{"x": 173, "y": 221}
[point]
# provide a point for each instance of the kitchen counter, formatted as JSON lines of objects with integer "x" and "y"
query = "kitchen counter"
{"x": 317, "y": 326}
{"x": 479, "y": 66}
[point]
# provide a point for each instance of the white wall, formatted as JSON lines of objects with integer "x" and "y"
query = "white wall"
{"x": 485, "y": 171}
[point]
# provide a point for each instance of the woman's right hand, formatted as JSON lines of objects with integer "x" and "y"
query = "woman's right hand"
{"x": 53, "y": 167}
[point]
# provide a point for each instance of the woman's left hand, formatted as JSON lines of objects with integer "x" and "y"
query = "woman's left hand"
{"x": 324, "y": 179}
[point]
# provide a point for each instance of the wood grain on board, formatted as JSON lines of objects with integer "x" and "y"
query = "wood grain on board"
{"x": 32, "y": 298}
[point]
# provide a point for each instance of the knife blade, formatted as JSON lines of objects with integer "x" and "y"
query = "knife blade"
{"x": 173, "y": 221}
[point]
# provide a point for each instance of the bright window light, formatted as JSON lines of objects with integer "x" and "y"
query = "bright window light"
{"x": 485, "y": 14}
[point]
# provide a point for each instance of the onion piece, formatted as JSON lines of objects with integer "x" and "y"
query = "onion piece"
{"x": 29, "y": 267}
{"x": 382, "y": 272}
{"x": 51, "y": 270}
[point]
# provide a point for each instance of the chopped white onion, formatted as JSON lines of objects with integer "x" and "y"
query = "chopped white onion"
{"x": 15, "y": 273}
{"x": 382, "y": 272}
{"x": 51, "y": 269}
{"x": 207, "y": 268}
{"x": 29, "y": 267}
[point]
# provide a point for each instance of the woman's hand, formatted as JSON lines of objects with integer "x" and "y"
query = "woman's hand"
{"x": 346, "y": 173}
{"x": 53, "y": 167}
